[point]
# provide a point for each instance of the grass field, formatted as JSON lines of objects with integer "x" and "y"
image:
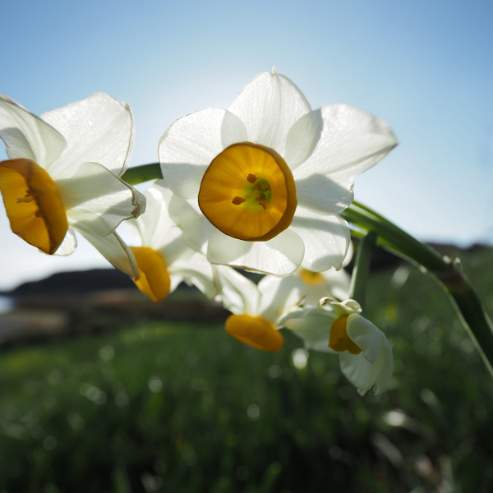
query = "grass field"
{"x": 184, "y": 408}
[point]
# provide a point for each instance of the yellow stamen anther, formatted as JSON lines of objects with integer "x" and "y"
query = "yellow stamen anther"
{"x": 339, "y": 340}
{"x": 255, "y": 331}
{"x": 33, "y": 203}
{"x": 154, "y": 279}
{"x": 258, "y": 180}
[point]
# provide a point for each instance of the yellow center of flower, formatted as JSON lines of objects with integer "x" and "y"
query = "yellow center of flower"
{"x": 248, "y": 192}
{"x": 154, "y": 279}
{"x": 339, "y": 340}
{"x": 311, "y": 278}
{"x": 255, "y": 331}
{"x": 33, "y": 204}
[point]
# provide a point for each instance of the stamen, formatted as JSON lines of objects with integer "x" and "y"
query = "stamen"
{"x": 238, "y": 200}
{"x": 251, "y": 178}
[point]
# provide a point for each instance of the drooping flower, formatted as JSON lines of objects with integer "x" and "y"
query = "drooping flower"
{"x": 163, "y": 258}
{"x": 63, "y": 172}
{"x": 365, "y": 354}
{"x": 261, "y": 185}
{"x": 256, "y": 309}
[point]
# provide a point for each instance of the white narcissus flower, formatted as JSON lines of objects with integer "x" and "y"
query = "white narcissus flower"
{"x": 365, "y": 354}
{"x": 261, "y": 184}
{"x": 64, "y": 172}
{"x": 256, "y": 308}
{"x": 163, "y": 258}
{"x": 306, "y": 287}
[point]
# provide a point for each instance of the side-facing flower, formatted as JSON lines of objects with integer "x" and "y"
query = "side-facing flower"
{"x": 255, "y": 309}
{"x": 310, "y": 286}
{"x": 306, "y": 287}
{"x": 261, "y": 185}
{"x": 365, "y": 354}
{"x": 64, "y": 172}
{"x": 163, "y": 258}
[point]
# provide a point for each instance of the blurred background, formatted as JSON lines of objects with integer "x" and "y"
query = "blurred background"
{"x": 103, "y": 392}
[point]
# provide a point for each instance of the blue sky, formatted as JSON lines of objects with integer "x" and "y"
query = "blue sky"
{"x": 426, "y": 67}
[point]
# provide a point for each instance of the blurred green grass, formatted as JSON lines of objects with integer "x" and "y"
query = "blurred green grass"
{"x": 184, "y": 408}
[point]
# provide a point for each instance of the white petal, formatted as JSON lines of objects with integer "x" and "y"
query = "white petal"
{"x": 156, "y": 228}
{"x": 203, "y": 237}
{"x": 278, "y": 295}
{"x": 373, "y": 367}
{"x": 349, "y": 255}
{"x": 302, "y": 138}
{"x": 196, "y": 228}
{"x": 191, "y": 143}
{"x": 337, "y": 283}
{"x": 97, "y": 197}
{"x": 176, "y": 280}
{"x": 321, "y": 193}
{"x": 196, "y": 270}
{"x": 176, "y": 248}
{"x": 238, "y": 294}
{"x": 113, "y": 248}
{"x": 269, "y": 106}
{"x": 223, "y": 249}
{"x": 280, "y": 256}
{"x": 97, "y": 129}
{"x": 69, "y": 244}
{"x": 312, "y": 326}
{"x": 326, "y": 238}
{"x": 27, "y": 136}
{"x": 351, "y": 142}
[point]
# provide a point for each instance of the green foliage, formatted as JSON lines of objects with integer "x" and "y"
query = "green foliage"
{"x": 179, "y": 407}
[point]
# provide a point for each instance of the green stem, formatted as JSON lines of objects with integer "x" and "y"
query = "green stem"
{"x": 392, "y": 238}
{"x": 469, "y": 307}
{"x": 144, "y": 172}
{"x": 361, "y": 269}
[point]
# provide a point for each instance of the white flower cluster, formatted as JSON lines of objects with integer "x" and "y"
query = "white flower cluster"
{"x": 259, "y": 186}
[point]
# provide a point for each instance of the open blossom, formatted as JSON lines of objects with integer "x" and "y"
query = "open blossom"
{"x": 365, "y": 354}
{"x": 307, "y": 287}
{"x": 256, "y": 308}
{"x": 163, "y": 258}
{"x": 261, "y": 184}
{"x": 64, "y": 172}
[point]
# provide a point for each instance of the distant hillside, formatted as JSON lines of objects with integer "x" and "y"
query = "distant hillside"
{"x": 76, "y": 282}
{"x": 94, "y": 280}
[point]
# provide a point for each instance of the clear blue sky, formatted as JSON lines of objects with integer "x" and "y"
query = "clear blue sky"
{"x": 426, "y": 67}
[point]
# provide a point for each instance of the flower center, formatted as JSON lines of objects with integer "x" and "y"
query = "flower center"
{"x": 311, "y": 278}
{"x": 154, "y": 279}
{"x": 339, "y": 340}
{"x": 248, "y": 192}
{"x": 255, "y": 331}
{"x": 33, "y": 204}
